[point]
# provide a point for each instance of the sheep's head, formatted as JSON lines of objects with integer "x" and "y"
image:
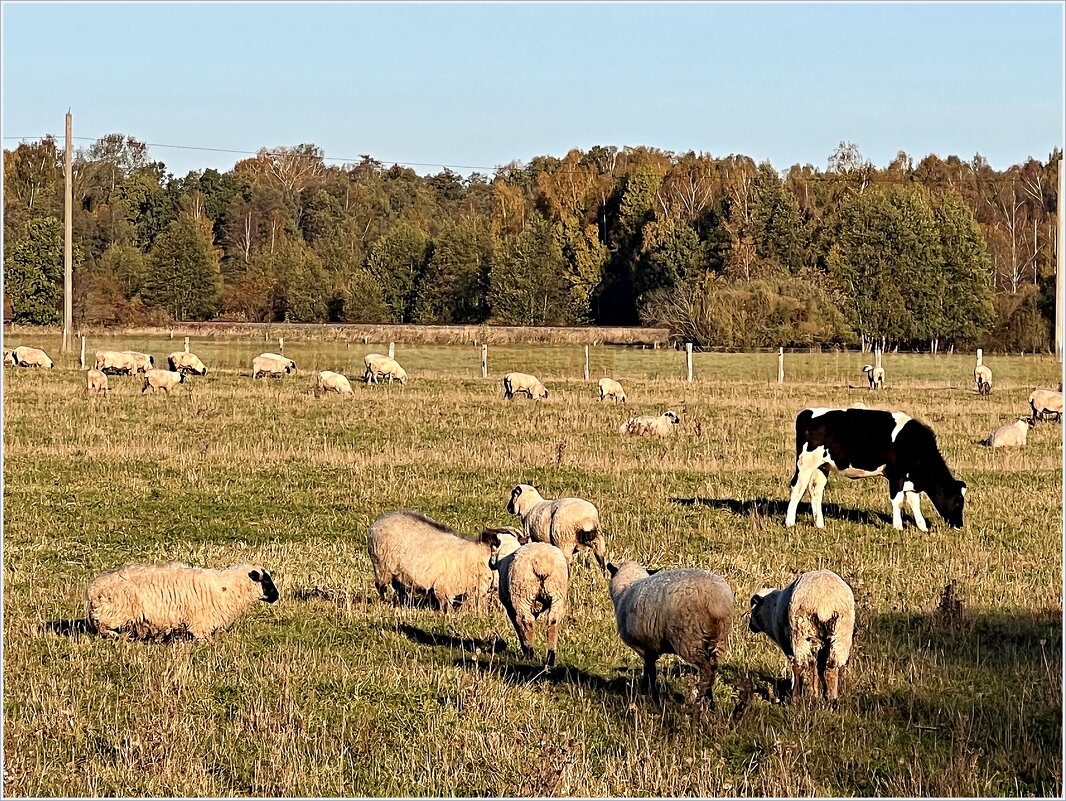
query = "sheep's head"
{"x": 401, "y": 375}
{"x": 624, "y": 575}
{"x": 523, "y": 497}
{"x": 757, "y": 622}
{"x": 261, "y": 577}
{"x": 502, "y": 542}
{"x": 1029, "y": 421}
{"x": 867, "y": 368}
{"x": 672, "y": 417}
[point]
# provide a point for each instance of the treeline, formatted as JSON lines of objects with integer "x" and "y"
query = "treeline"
{"x": 723, "y": 251}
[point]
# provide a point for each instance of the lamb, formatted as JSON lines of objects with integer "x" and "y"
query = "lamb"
{"x": 812, "y": 620}
{"x": 162, "y": 379}
{"x": 530, "y": 385}
{"x": 379, "y": 366}
{"x": 329, "y": 381}
{"x": 650, "y": 425}
{"x": 688, "y": 612}
{"x": 1046, "y": 403}
{"x": 162, "y": 601}
{"x": 875, "y": 375}
{"x": 115, "y": 362}
{"x": 533, "y": 581}
{"x": 182, "y": 362}
{"x": 273, "y": 365}
{"x": 416, "y": 555}
{"x": 24, "y": 356}
{"x": 609, "y": 388}
{"x": 564, "y": 522}
{"x": 143, "y": 361}
{"x": 95, "y": 381}
{"x": 983, "y": 377}
{"x": 1012, "y": 434}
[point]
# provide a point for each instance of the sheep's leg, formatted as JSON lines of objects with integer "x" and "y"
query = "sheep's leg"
{"x": 553, "y": 638}
{"x": 797, "y": 681}
{"x": 832, "y": 680}
{"x": 649, "y": 681}
{"x": 708, "y": 673}
{"x": 523, "y": 626}
{"x": 817, "y": 488}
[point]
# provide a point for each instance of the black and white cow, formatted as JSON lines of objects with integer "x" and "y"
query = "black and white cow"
{"x": 866, "y": 442}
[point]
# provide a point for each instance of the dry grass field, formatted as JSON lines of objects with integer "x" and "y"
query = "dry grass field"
{"x": 329, "y": 692}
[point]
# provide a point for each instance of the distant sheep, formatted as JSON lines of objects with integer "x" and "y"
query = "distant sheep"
{"x": 1013, "y": 434}
{"x": 95, "y": 381}
{"x": 523, "y": 383}
{"x": 1046, "y": 404}
{"x": 161, "y": 379}
{"x": 273, "y": 365}
{"x": 378, "y": 366}
{"x": 171, "y": 600}
{"x": 875, "y": 375}
{"x": 533, "y": 582}
{"x": 329, "y": 381}
{"x": 114, "y": 362}
{"x": 9, "y": 357}
{"x": 609, "y": 388}
{"x": 417, "y": 556}
{"x": 982, "y": 376}
{"x": 24, "y": 356}
{"x": 650, "y": 425}
{"x": 143, "y": 360}
{"x": 564, "y": 522}
{"x": 182, "y": 362}
{"x": 812, "y": 620}
{"x": 687, "y": 612}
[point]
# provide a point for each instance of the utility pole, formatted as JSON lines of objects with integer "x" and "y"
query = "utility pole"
{"x": 1060, "y": 272}
{"x": 68, "y": 243}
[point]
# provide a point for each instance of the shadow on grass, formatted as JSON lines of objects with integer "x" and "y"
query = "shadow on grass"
{"x": 776, "y": 507}
{"x": 423, "y": 637}
{"x": 68, "y": 628}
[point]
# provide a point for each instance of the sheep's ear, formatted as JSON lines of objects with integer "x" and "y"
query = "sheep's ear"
{"x": 491, "y": 536}
{"x": 521, "y": 536}
{"x": 654, "y": 570}
{"x": 611, "y": 569}
{"x": 255, "y": 576}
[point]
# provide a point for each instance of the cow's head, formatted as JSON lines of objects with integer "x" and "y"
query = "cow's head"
{"x": 949, "y": 500}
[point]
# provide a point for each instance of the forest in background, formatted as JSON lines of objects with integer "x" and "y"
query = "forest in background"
{"x": 722, "y": 251}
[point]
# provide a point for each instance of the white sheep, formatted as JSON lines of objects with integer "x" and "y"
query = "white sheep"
{"x": 329, "y": 381}
{"x": 143, "y": 361}
{"x": 982, "y": 375}
{"x": 379, "y": 366}
{"x": 564, "y": 522}
{"x": 650, "y": 425}
{"x": 533, "y": 579}
{"x": 609, "y": 388}
{"x": 9, "y": 357}
{"x": 1046, "y": 403}
{"x": 875, "y": 375}
{"x": 686, "y": 611}
{"x": 273, "y": 365}
{"x": 530, "y": 385}
{"x": 25, "y": 356}
{"x": 812, "y": 620}
{"x": 162, "y": 379}
{"x": 417, "y": 556}
{"x": 95, "y": 381}
{"x": 115, "y": 362}
{"x": 181, "y": 362}
{"x": 168, "y": 600}
{"x": 1012, "y": 434}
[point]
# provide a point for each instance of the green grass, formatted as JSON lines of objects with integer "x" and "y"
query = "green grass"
{"x": 331, "y": 693}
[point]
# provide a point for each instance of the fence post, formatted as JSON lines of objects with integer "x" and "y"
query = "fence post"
{"x": 484, "y": 361}
{"x": 186, "y": 344}
{"x": 83, "y": 351}
{"x": 979, "y": 359}
{"x": 780, "y": 365}
{"x": 281, "y": 344}
{"x": 586, "y": 362}
{"x": 688, "y": 359}
{"x": 392, "y": 350}
{"x": 877, "y": 357}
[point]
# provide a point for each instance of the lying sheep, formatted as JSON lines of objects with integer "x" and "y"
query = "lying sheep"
{"x": 1046, "y": 403}
{"x": 687, "y": 612}
{"x": 182, "y": 362}
{"x": 95, "y": 381}
{"x": 875, "y": 375}
{"x": 812, "y": 620}
{"x": 273, "y": 365}
{"x": 114, "y": 362}
{"x": 529, "y": 385}
{"x": 983, "y": 378}
{"x": 533, "y": 579}
{"x": 329, "y": 381}
{"x": 564, "y": 522}
{"x": 143, "y": 361}
{"x": 1012, "y": 434}
{"x": 24, "y": 356}
{"x": 162, "y": 379}
{"x": 378, "y": 366}
{"x": 609, "y": 388}
{"x": 416, "y": 555}
{"x": 168, "y": 600}
{"x": 650, "y": 425}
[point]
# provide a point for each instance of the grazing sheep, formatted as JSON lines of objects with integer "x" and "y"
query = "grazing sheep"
{"x": 650, "y": 425}
{"x": 812, "y": 620}
{"x": 609, "y": 388}
{"x": 24, "y": 356}
{"x": 875, "y": 375}
{"x": 182, "y": 362}
{"x": 687, "y": 612}
{"x": 533, "y": 580}
{"x": 379, "y": 366}
{"x": 143, "y": 361}
{"x": 416, "y": 555}
{"x": 564, "y": 522}
{"x": 95, "y": 381}
{"x": 530, "y": 385}
{"x": 115, "y": 362}
{"x": 1046, "y": 403}
{"x": 1012, "y": 434}
{"x": 329, "y": 381}
{"x": 273, "y": 365}
{"x": 162, "y": 379}
{"x": 983, "y": 377}
{"x": 167, "y": 600}
{"x": 9, "y": 357}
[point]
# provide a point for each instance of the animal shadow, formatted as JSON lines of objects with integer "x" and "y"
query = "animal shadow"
{"x": 775, "y": 507}
{"x": 68, "y": 628}
{"x": 472, "y": 644}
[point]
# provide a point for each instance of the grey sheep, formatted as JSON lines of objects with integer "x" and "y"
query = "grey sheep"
{"x": 564, "y": 522}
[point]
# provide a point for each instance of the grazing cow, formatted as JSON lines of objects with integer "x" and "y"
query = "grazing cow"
{"x": 866, "y": 442}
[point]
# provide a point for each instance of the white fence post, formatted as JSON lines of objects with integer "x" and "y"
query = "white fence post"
{"x": 186, "y": 344}
{"x": 979, "y": 358}
{"x": 688, "y": 359}
{"x": 877, "y": 357}
{"x": 83, "y": 351}
{"x": 484, "y": 361}
{"x": 586, "y": 362}
{"x": 392, "y": 350}
{"x": 281, "y": 344}
{"x": 780, "y": 365}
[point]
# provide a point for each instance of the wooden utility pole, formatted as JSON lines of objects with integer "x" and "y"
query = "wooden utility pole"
{"x": 68, "y": 242}
{"x": 1060, "y": 272}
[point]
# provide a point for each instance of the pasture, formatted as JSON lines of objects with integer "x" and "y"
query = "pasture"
{"x": 954, "y": 686}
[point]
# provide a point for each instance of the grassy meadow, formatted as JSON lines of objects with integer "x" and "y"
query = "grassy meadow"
{"x": 329, "y": 692}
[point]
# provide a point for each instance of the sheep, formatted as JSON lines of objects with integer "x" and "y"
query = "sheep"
{"x": 564, "y": 522}
{"x": 379, "y": 366}
{"x": 1046, "y": 403}
{"x": 533, "y": 579}
{"x": 115, "y": 362}
{"x": 686, "y": 611}
{"x": 1012, "y": 434}
{"x": 143, "y": 360}
{"x": 416, "y": 555}
{"x": 983, "y": 377}
{"x": 273, "y": 365}
{"x": 812, "y": 620}
{"x": 530, "y": 385}
{"x": 329, "y": 381}
{"x": 650, "y": 425}
{"x": 161, "y": 601}
{"x": 182, "y": 362}
{"x": 95, "y": 381}
{"x": 9, "y": 357}
{"x": 162, "y": 379}
{"x": 609, "y": 388}
{"x": 875, "y": 375}
{"x": 24, "y": 356}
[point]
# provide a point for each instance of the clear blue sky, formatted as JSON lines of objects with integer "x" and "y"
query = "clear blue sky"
{"x": 479, "y": 84}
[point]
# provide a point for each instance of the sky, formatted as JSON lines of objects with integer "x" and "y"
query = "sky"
{"x": 473, "y": 86}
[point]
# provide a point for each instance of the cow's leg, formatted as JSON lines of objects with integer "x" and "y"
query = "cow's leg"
{"x": 807, "y": 463}
{"x": 817, "y": 487}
